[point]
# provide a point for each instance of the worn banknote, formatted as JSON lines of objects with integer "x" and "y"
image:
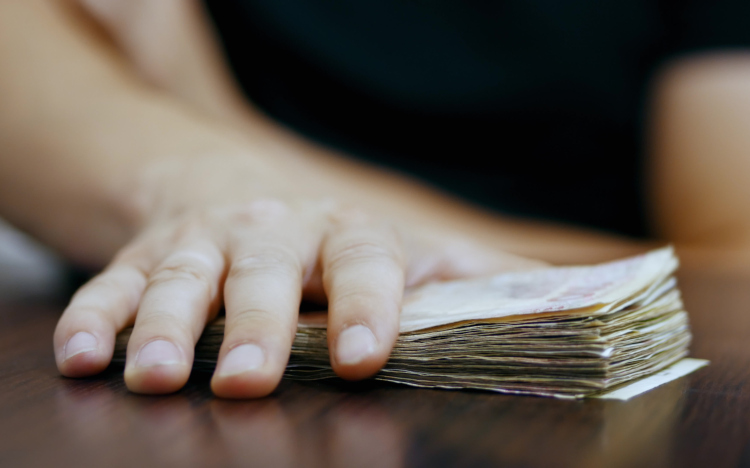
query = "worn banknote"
{"x": 567, "y": 332}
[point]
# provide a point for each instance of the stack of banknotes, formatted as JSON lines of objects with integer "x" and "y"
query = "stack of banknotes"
{"x": 566, "y": 332}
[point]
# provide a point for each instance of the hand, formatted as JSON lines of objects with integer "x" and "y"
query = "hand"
{"x": 258, "y": 259}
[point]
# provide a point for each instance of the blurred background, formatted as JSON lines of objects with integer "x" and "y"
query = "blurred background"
{"x": 28, "y": 269}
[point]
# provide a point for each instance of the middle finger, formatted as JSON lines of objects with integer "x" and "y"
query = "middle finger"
{"x": 262, "y": 294}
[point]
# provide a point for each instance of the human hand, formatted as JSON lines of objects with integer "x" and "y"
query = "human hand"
{"x": 258, "y": 259}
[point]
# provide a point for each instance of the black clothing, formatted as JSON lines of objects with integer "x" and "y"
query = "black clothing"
{"x": 531, "y": 107}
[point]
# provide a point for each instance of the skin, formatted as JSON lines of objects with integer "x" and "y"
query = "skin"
{"x": 700, "y": 157}
{"x": 125, "y": 143}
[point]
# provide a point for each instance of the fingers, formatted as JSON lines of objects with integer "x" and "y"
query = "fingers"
{"x": 262, "y": 295}
{"x": 363, "y": 275}
{"x": 258, "y": 264}
{"x": 85, "y": 335}
{"x": 182, "y": 292}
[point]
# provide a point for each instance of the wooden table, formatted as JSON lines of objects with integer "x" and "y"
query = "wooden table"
{"x": 701, "y": 420}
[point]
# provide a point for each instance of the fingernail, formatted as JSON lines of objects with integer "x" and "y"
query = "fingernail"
{"x": 241, "y": 359}
{"x": 81, "y": 342}
{"x": 158, "y": 353}
{"x": 355, "y": 344}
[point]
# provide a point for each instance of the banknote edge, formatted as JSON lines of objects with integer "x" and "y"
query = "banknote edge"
{"x": 675, "y": 371}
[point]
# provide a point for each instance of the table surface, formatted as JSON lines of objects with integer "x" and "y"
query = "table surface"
{"x": 700, "y": 420}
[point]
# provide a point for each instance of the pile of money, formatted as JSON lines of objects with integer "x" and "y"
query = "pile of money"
{"x": 566, "y": 332}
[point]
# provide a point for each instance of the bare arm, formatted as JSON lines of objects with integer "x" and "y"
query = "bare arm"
{"x": 77, "y": 126}
{"x": 171, "y": 46}
{"x": 204, "y": 202}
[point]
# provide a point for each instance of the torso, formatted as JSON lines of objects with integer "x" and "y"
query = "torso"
{"x": 532, "y": 108}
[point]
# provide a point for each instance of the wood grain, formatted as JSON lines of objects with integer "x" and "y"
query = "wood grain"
{"x": 699, "y": 420}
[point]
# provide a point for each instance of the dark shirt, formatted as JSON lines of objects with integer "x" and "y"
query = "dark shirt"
{"x": 530, "y": 107}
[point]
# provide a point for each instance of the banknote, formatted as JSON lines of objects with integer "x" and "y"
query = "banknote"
{"x": 566, "y": 332}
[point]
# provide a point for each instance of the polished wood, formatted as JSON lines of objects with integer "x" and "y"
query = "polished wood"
{"x": 701, "y": 420}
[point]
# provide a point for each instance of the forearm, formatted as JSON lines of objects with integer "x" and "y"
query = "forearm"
{"x": 88, "y": 146}
{"x": 209, "y": 86}
{"x": 78, "y": 132}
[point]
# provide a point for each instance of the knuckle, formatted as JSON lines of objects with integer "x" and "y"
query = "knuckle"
{"x": 349, "y": 215}
{"x": 354, "y": 296}
{"x": 277, "y": 260}
{"x": 259, "y": 320}
{"x": 364, "y": 303}
{"x": 180, "y": 272}
{"x": 158, "y": 322}
{"x": 262, "y": 211}
{"x": 87, "y": 313}
{"x": 103, "y": 290}
{"x": 360, "y": 252}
